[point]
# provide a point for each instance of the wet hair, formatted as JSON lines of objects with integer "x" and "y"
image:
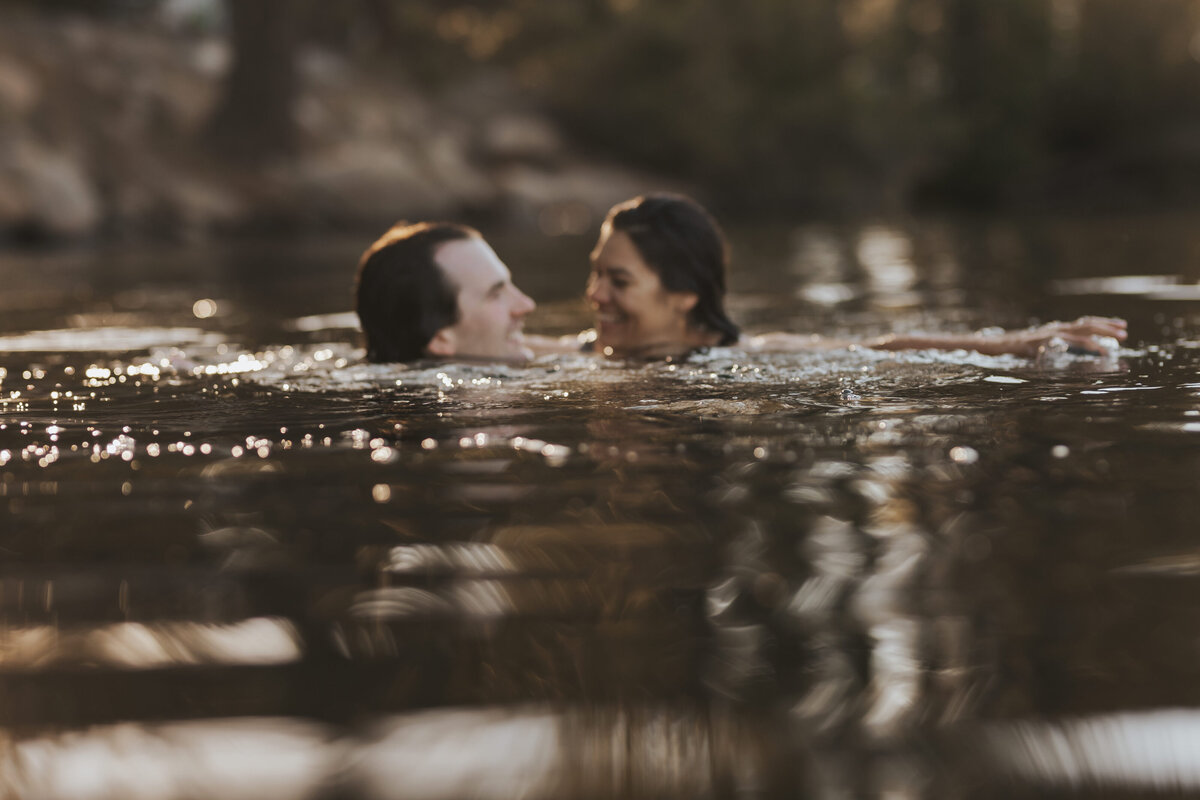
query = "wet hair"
{"x": 686, "y": 248}
{"x": 402, "y": 296}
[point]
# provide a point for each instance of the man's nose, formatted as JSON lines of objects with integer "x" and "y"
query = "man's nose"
{"x": 524, "y": 304}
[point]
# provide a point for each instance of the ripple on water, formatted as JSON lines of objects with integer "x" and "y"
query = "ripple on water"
{"x": 338, "y": 368}
{"x": 106, "y": 340}
{"x": 771, "y": 528}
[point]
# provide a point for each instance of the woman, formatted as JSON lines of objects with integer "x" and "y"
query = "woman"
{"x": 657, "y": 288}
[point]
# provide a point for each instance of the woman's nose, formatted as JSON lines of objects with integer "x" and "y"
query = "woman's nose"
{"x": 596, "y": 292}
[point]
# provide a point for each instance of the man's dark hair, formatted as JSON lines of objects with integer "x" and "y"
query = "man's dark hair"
{"x": 683, "y": 244}
{"x": 402, "y": 296}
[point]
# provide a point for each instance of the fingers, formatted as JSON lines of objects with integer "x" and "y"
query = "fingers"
{"x": 1100, "y": 326}
{"x": 1085, "y": 344}
{"x": 1090, "y": 326}
{"x": 1082, "y": 344}
{"x": 1108, "y": 322}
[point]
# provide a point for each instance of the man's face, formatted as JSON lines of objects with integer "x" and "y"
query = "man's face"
{"x": 491, "y": 310}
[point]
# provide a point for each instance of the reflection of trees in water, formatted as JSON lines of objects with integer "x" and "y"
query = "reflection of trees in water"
{"x": 588, "y": 588}
{"x": 683, "y": 622}
{"x": 825, "y": 621}
{"x": 882, "y": 605}
{"x": 845, "y": 611}
{"x": 816, "y": 615}
{"x": 1050, "y": 567}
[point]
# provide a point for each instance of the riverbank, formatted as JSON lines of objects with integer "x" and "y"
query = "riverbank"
{"x": 101, "y": 137}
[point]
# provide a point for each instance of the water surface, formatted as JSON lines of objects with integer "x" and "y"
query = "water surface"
{"x": 236, "y": 561}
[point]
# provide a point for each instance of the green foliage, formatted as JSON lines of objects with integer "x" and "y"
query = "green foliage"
{"x": 867, "y": 104}
{"x": 827, "y": 105}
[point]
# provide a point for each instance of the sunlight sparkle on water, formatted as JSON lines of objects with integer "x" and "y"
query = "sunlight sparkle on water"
{"x": 383, "y": 455}
{"x": 964, "y": 455}
{"x": 809, "y": 535}
{"x": 204, "y": 309}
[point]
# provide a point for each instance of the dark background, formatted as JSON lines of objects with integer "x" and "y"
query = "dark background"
{"x": 197, "y": 119}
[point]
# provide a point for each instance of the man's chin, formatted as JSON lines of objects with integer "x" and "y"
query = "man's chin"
{"x": 517, "y": 354}
{"x": 518, "y": 349}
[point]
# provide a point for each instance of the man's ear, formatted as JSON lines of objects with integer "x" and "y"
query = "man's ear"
{"x": 443, "y": 344}
{"x": 684, "y": 302}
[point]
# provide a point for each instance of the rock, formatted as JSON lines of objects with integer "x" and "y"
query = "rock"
{"x": 183, "y": 16}
{"x": 160, "y": 199}
{"x": 50, "y": 193}
{"x": 446, "y": 161}
{"x": 211, "y": 58}
{"x": 102, "y": 124}
{"x": 14, "y": 206}
{"x": 520, "y": 137}
{"x": 483, "y": 95}
{"x": 80, "y": 33}
{"x": 19, "y": 89}
{"x": 368, "y": 182}
{"x": 320, "y": 67}
{"x": 202, "y": 206}
{"x": 571, "y": 199}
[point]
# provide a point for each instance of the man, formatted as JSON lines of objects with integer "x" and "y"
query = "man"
{"x": 437, "y": 290}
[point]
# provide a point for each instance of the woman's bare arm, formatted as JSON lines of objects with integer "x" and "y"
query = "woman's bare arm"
{"x": 1084, "y": 333}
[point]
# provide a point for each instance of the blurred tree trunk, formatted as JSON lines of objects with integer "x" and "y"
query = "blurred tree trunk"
{"x": 999, "y": 60}
{"x": 254, "y": 119}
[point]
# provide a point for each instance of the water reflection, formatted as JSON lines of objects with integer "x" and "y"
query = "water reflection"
{"x": 237, "y": 758}
{"x": 1117, "y": 284}
{"x": 131, "y": 645}
{"x": 835, "y": 574}
{"x": 1154, "y": 750}
{"x": 885, "y": 256}
{"x": 532, "y": 752}
{"x": 99, "y": 339}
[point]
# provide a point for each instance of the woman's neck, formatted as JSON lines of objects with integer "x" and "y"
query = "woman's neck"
{"x": 692, "y": 339}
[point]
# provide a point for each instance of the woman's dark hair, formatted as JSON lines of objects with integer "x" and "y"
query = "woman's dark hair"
{"x": 402, "y": 296}
{"x": 683, "y": 244}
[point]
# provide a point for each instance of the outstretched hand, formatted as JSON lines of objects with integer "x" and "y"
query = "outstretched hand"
{"x": 1085, "y": 333}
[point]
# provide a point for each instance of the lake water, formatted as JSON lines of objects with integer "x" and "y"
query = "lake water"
{"x": 235, "y": 561}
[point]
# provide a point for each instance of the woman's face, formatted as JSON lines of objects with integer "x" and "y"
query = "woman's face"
{"x": 634, "y": 313}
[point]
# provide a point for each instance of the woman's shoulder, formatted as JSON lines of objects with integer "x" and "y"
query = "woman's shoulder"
{"x": 783, "y": 342}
